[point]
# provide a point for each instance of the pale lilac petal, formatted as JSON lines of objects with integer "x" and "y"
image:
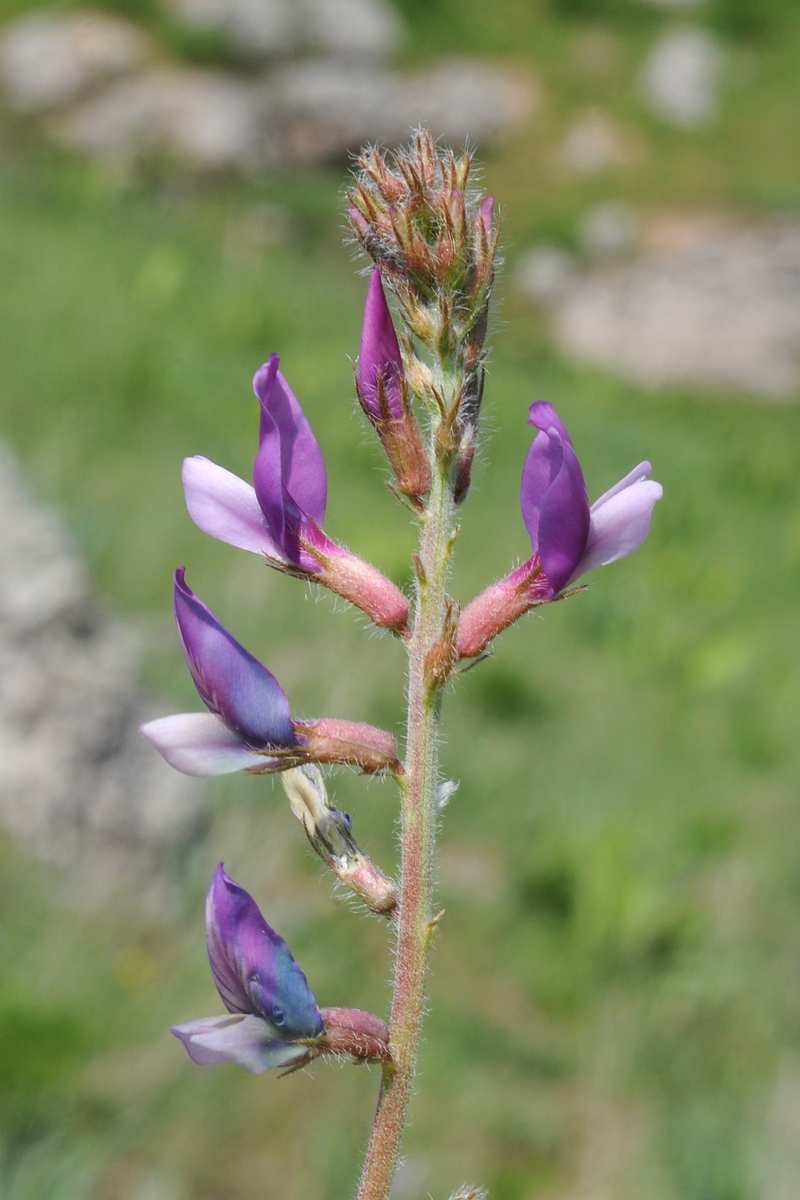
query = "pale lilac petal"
{"x": 619, "y": 525}
{"x": 302, "y": 465}
{"x": 230, "y": 681}
{"x": 199, "y": 744}
{"x": 226, "y": 508}
{"x": 635, "y": 476}
{"x": 245, "y": 1040}
{"x": 379, "y": 355}
{"x": 252, "y": 966}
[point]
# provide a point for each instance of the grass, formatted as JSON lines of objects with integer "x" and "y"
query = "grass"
{"x": 613, "y": 1004}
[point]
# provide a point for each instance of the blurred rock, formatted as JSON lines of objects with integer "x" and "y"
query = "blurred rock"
{"x": 209, "y": 120}
{"x": 591, "y": 145}
{"x": 609, "y": 230}
{"x": 47, "y": 60}
{"x": 330, "y": 108}
{"x": 76, "y": 780}
{"x": 681, "y": 76}
{"x": 545, "y": 274}
{"x": 708, "y": 304}
{"x": 351, "y": 28}
{"x": 263, "y": 29}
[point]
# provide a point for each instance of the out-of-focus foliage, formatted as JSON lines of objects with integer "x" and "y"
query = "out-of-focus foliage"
{"x": 614, "y": 1001}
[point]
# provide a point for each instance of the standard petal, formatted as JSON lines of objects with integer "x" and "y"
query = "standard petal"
{"x": 225, "y": 507}
{"x": 379, "y": 355}
{"x": 245, "y": 1040}
{"x": 252, "y": 966}
{"x": 302, "y": 465}
{"x": 200, "y": 744}
{"x": 619, "y": 526}
{"x": 230, "y": 681}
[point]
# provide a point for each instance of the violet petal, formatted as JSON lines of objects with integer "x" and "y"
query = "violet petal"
{"x": 245, "y": 1040}
{"x": 230, "y": 681}
{"x": 543, "y": 462}
{"x": 252, "y": 966}
{"x": 543, "y": 417}
{"x": 564, "y": 520}
{"x": 379, "y": 354}
{"x": 200, "y": 744}
{"x": 302, "y": 466}
{"x": 226, "y": 508}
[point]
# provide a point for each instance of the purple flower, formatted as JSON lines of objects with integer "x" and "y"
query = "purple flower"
{"x": 569, "y": 537}
{"x": 380, "y": 366}
{"x": 249, "y": 726}
{"x": 286, "y": 506}
{"x": 281, "y": 516}
{"x": 248, "y": 709}
{"x": 273, "y": 1019}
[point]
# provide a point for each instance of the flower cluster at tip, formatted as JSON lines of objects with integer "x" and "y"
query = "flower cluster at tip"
{"x": 282, "y": 514}
{"x": 249, "y": 726}
{"x": 273, "y": 1019}
{"x": 568, "y": 537}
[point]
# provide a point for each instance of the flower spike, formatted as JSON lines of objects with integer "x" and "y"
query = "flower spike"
{"x": 273, "y": 1019}
{"x": 568, "y": 537}
{"x": 249, "y": 726}
{"x": 281, "y": 517}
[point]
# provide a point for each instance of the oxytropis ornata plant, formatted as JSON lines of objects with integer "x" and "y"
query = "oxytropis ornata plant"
{"x": 433, "y": 240}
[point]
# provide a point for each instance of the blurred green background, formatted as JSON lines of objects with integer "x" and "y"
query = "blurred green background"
{"x": 614, "y": 996}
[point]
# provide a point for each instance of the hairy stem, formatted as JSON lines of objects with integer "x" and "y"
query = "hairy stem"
{"x": 418, "y": 842}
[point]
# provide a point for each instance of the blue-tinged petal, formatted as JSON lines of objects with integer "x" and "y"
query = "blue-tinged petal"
{"x": 200, "y": 744}
{"x": 226, "y": 508}
{"x": 639, "y": 473}
{"x": 252, "y": 966}
{"x": 302, "y": 466}
{"x": 230, "y": 681}
{"x": 245, "y": 1040}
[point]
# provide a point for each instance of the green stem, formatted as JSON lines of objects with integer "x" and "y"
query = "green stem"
{"x": 418, "y": 843}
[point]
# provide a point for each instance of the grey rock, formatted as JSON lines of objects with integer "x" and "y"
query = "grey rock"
{"x": 257, "y": 29}
{"x": 264, "y": 29}
{"x": 681, "y": 76}
{"x": 592, "y": 144}
{"x": 330, "y": 108}
{"x": 545, "y": 274}
{"x": 713, "y": 305}
{"x": 609, "y": 230}
{"x": 77, "y": 783}
{"x": 48, "y": 60}
{"x": 210, "y": 120}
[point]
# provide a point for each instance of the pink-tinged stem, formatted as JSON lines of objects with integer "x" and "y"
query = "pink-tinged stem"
{"x": 419, "y": 784}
